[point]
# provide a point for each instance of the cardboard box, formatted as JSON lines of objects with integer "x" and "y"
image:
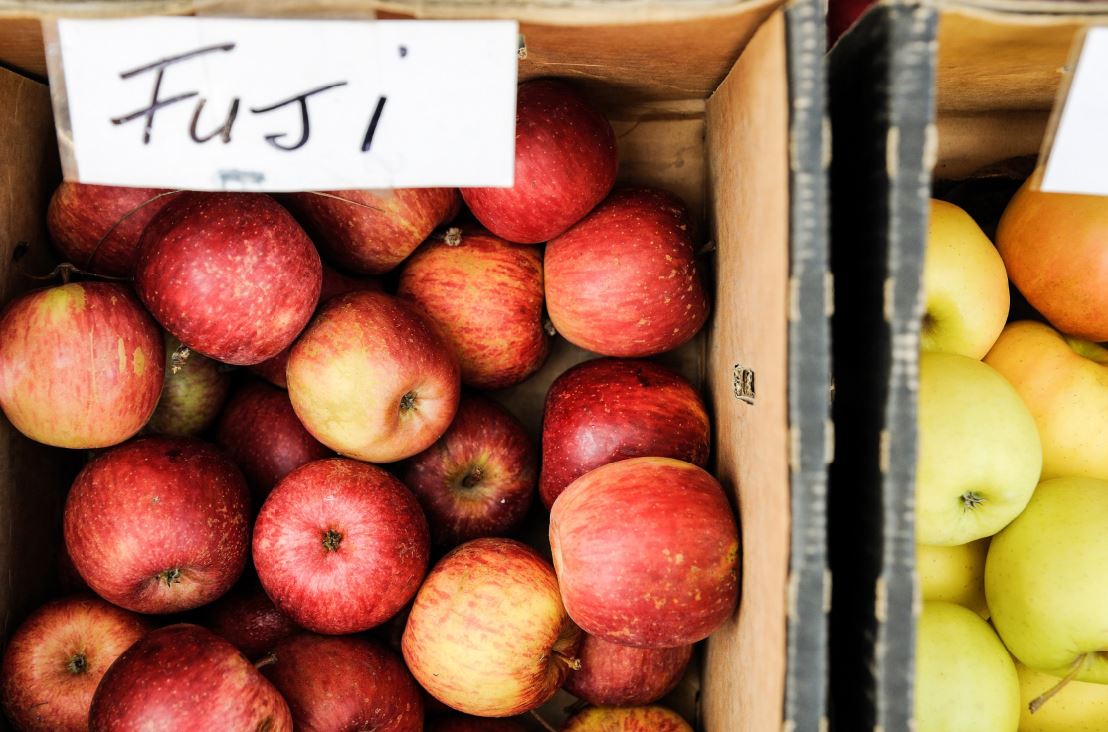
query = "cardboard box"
{"x": 720, "y": 102}
{"x": 923, "y": 98}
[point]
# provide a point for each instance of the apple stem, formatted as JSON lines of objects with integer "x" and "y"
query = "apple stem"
{"x": 124, "y": 217}
{"x": 1047, "y": 695}
{"x": 268, "y": 660}
{"x": 573, "y": 663}
{"x": 345, "y": 200}
{"x": 66, "y": 270}
{"x": 545, "y": 725}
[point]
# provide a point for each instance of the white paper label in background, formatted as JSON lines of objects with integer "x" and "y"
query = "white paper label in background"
{"x": 1078, "y": 158}
{"x": 280, "y": 105}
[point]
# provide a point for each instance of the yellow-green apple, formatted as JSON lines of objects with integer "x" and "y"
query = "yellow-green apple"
{"x": 479, "y": 478}
{"x": 627, "y": 719}
{"x": 954, "y": 574}
{"x": 624, "y": 281}
{"x": 1042, "y": 576}
{"x": 159, "y": 525}
{"x": 979, "y": 453}
{"x": 340, "y": 546}
{"x": 565, "y": 164}
{"x": 372, "y": 231}
{"x": 232, "y": 275}
{"x": 487, "y": 634}
{"x": 461, "y": 723}
{"x": 264, "y": 437}
{"x": 1064, "y": 382}
{"x": 964, "y": 679}
{"x": 619, "y": 676}
{"x": 374, "y": 378}
{"x": 1053, "y": 248}
{"x": 965, "y": 287}
{"x": 346, "y": 683}
{"x": 56, "y": 658}
{"x": 183, "y": 677}
{"x": 247, "y": 618}
{"x": 98, "y": 228}
{"x": 612, "y": 409}
{"x": 194, "y": 390}
{"x": 487, "y": 295}
{"x": 646, "y": 552}
{"x": 81, "y": 365}
{"x": 1079, "y": 707}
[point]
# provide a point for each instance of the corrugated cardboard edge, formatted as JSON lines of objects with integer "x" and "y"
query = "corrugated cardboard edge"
{"x": 809, "y": 368}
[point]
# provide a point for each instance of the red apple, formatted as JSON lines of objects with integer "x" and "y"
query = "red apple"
{"x": 612, "y": 409}
{"x": 263, "y": 436}
{"x": 646, "y": 552}
{"x": 159, "y": 525}
{"x": 479, "y": 478}
{"x": 334, "y": 284}
{"x": 187, "y": 679}
{"x": 340, "y": 546}
{"x": 98, "y": 228}
{"x": 345, "y": 684}
{"x": 54, "y": 661}
{"x": 195, "y": 387}
{"x": 624, "y": 281}
{"x": 614, "y": 675}
{"x": 80, "y": 365}
{"x": 461, "y": 723}
{"x": 565, "y": 164}
{"x": 486, "y": 294}
{"x": 487, "y": 634}
{"x": 626, "y": 719}
{"x": 374, "y": 378}
{"x": 247, "y": 618}
{"x": 231, "y": 275}
{"x": 372, "y": 231}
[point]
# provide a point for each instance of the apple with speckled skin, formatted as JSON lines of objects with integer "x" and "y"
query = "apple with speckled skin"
{"x": 374, "y": 378}
{"x": 565, "y": 163}
{"x": 80, "y": 364}
{"x": 463, "y": 723}
{"x": 183, "y": 677}
{"x": 159, "y": 525}
{"x": 232, "y": 275}
{"x": 479, "y": 478}
{"x": 619, "y": 676}
{"x": 372, "y": 231}
{"x": 247, "y": 618}
{"x": 55, "y": 659}
{"x": 346, "y": 683}
{"x": 646, "y": 552}
{"x": 264, "y": 437}
{"x": 624, "y": 281}
{"x": 487, "y": 295}
{"x": 340, "y": 546}
{"x": 627, "y": 719}
{"x": 487, "y": 634}
{"x": 612, "y": 409}
{"x": 194, "y": 391}
{"x": 98, "y": 228}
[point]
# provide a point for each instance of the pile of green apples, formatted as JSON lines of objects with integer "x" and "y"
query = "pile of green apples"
{"x": 1012, "y": 473}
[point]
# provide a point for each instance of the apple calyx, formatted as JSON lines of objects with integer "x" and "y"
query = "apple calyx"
{"x": 331, "y": 540}
{"x": 170, "y": 577}
{"x": 971, "y": 500}
{"x": 474, "y": 476}
{"x": 178, "y": 358}
{"x": 408, "y": 402}
{"x": 1037, "y": 703}
{"x": 452, "y": 237}
{"x": 77, "y": 664}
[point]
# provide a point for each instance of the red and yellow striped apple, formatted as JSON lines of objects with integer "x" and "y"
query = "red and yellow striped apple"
{"x": 627, "y": 719}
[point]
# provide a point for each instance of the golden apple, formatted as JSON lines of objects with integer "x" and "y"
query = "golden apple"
{"x": 1064, "y": 382}
{"x": 1046, "y": 577}
{"x": 1079, "y": 707}
{"x": 954, "y": 574}
{"x": 964, "y": 283}
{"x": 979, "y": 454}
{"x": 965, "y": 680}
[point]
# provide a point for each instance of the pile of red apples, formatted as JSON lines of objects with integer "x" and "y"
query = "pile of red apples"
{"x": 298, "y": 509}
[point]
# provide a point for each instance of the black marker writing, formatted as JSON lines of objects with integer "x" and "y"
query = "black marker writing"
{"x": 373, "y": 121}
{"x": 305, "y": 129}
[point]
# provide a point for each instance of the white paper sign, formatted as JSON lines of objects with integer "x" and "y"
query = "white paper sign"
{"x": 1078, "y": 157}
{"x": 281, "y": 105}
